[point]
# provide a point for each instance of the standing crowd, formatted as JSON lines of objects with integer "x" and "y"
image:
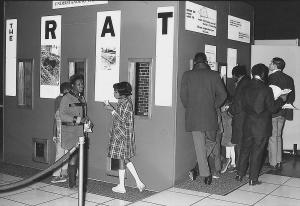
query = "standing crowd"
{"x": 246, "y": 124}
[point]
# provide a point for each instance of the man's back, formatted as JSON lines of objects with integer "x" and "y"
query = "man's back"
{"x": 283, "y": 81}
{"x": 202, "y": 91}
{"x": 258, "y": 104}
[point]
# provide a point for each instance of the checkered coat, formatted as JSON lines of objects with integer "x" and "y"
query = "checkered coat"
{"x": 122, "y": 139}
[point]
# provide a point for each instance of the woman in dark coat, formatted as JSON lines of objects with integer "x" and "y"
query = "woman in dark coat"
{"x": 122, "y": 138}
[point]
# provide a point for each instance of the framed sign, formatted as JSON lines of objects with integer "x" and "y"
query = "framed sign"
{"x": 238, "y": 29}
{"x": 200, "y": 19}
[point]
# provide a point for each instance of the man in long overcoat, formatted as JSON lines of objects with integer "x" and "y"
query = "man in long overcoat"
{"x": 202, "y": 92}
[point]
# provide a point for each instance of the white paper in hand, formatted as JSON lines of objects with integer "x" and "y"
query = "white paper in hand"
{"x": 289, "y": 106}
{"x": 285, "y": 91}
{"x": 277, "y": 91}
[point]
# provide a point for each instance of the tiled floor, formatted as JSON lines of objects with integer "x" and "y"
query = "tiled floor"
{"x": 275, "y": 190}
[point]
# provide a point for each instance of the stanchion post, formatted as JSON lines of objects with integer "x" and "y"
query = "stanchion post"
{"x": 81, "y": 163}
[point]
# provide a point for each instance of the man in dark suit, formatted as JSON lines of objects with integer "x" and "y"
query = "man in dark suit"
{"x": 258, "y": 104}
{"x": 202, "y": 92}
{"x": 241, "y": 78}
{"x": 283, "y": 81}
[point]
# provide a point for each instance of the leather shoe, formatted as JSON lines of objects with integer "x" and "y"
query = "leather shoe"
{"x": 208, "y": 180}
{"x": 273, "y": 167}
{"x": 279, "y": 166}
{"x": 254, "y": 182}
{"x": 238, "y": 178}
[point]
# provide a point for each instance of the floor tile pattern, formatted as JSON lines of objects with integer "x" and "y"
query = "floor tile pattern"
{"x": 276, "y": 190}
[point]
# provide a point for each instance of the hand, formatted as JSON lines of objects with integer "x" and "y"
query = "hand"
{"x": 224, "y": 108}
{"x": 56, "y": 139}
{"x": 283, "y": 97}
{"x": 109, "y": 107}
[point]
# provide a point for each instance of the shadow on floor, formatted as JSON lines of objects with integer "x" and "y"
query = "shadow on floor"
{"x": 290, "y": 166}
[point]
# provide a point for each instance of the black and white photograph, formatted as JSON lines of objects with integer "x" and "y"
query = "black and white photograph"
{"x": 50, "y": 65}
{"x": 108, "y": 58}
{"x": 150, "y": 103}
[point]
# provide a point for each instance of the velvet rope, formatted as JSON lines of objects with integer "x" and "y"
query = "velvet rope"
{"x": 24, "y": 182}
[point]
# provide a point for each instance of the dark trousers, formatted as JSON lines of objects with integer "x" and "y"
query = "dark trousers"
{"x": 72, "y": 168}
{"x": 251, "y": 152}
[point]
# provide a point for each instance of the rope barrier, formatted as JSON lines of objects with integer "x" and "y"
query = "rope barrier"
{"x": 21, "y": 183}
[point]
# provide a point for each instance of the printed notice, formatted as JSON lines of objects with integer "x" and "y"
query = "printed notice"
{"x": 211, "y": 54}
{"x": 68, "y": 4}
{"x": 200, "y": 19}
{"x": 231, "y": 61}
{"x": 238, "y": 29}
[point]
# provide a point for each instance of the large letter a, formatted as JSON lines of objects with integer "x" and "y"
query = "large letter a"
{"x": 108, "y": 27}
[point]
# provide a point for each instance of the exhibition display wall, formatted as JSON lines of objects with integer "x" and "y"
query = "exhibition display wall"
{"x": 115, "y": 41}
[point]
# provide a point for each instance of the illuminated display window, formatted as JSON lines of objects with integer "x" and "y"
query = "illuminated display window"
{"x": 25, "y": 83}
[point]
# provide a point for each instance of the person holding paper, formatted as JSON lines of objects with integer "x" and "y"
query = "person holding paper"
{"x": 258, "y": 104}
{"x": 278, "y": 79}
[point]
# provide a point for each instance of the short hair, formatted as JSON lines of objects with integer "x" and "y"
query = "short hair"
{"x": 123, "y": 88}
{"x": 75, "y": 77}
{"x": 239, "y": 71}
{"x": 64, "y": 86}
{"x": 280, "y": 63}
{"x": 200, "y": 57}
{"x": 260, "y": 70}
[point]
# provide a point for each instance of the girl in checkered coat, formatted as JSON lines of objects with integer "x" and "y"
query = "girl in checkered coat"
{"x": 122, "y": 139}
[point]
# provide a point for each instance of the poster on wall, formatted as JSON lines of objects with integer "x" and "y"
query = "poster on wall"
{"x": 200, "y": 19}
{"x": 211, "y": 54}
{"x": 11, "y": 57}
{"x": 231, "y": 61}
{"x": 107, "y": 54}
{"x": 164, "y": 56}
{"x": 238, "y": 29}
{"x": 68, "y": 4}
{"x": 50, "y": 56}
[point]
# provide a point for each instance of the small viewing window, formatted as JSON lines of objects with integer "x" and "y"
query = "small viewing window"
{"x": 140, "y": 71}
{"x": 25, "y": 83}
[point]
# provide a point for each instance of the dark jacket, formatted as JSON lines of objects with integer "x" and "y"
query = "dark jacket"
{"x": 202, "y": 92}
{"x": 238, "y": 115}
{"x": 258, "y": 104}
{"x": 283, "y": 81}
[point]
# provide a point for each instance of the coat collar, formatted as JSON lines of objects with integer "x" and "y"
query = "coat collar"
{"x": 201, "y": 66}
